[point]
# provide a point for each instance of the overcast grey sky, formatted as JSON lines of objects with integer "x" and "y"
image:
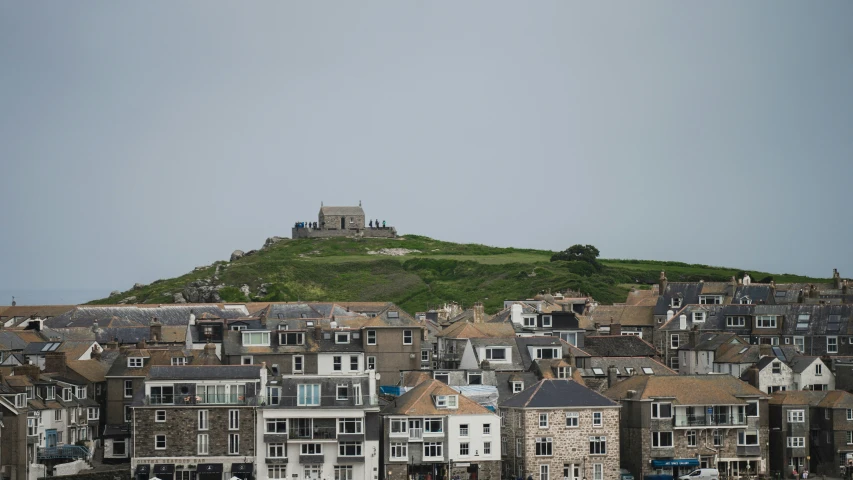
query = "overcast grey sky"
{"x": 141, "y": 139}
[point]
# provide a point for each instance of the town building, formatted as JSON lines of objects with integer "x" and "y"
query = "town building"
{"x": 342, "y": 222}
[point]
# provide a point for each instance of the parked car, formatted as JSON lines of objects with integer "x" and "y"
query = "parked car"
{"x": 702, "y": 474}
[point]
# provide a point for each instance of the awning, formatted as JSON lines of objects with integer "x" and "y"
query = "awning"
{"x": 164, "y": 468}
{"x": 676, "y": 462}
{"x": 242, "y": 467}
{"x": 145, "y": 469}
{"x": 209, "y": 468}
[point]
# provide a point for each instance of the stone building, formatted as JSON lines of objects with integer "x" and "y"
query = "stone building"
{"x": 197, "y": 422}
{"x": 558, "y": 428}
{"x": 672, "y": 425}
{"x": 434, "y": 432}
{"x": 343, "y": 222}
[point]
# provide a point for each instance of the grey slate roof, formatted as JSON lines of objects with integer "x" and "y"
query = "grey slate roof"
{"x": 557, "y": 393}
{"x": 204, "y": 372}
{"x": 133, "y": 315}
{"x": 505, "y": 388}
{"x": 347, "y": 211}
{"x": 618, "y": 346}
{"x": 525, "y": 342}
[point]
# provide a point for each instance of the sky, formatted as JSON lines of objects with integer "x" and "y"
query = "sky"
{"x": 141, "y": 139}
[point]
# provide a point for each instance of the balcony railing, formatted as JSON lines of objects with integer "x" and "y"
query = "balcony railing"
{"x": 201, "y": 399}
{"x": 709, "y": 420}
{"x": 313, "y": 433}
{"x": 330, "y": 401}
{"x": 416, "y": 434}
{"x": 64, "y": 451}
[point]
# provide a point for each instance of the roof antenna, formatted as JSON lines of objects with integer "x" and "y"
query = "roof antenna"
{"x": 13, "y": 301}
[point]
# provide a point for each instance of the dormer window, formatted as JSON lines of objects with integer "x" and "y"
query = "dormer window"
{"x": 447, "y": 401}
{"x": 291, "y": 338}
{"x": 134, "y": 362}
{"x": 745, "y": 301}
{"x": 30, "y": 393}
{"x": 49, "y": 392}
{"x": 256, "y": 338}
{"x": 496, "y": 354}
{"x": 517, "y": 387}
{"x": 81, "y": 392}
{"x": 66, "y": 394}
{"x": 179, "y": 360}
{"x": 546, "y": 321}
{"x": 21, "y": 400}
{"x": 342, "y": 338}
{"x": 710, "y": 300}
{"x": 698, "y": 317}
{"x": 546, "y": 353}
{"x": 529, "y": 321}
{"x": 562, "y": 372}
{"x": 238, "y": 328}
{"x": 475, "y": 378}
{"x": 675, "y": 302}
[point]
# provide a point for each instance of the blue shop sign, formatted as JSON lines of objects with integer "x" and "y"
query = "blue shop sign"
{"x": 676, "y": 462}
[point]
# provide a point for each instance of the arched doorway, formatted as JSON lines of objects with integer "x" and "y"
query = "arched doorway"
{"x": 343, "y": 223}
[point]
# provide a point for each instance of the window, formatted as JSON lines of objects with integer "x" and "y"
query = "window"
{"x": 179, "y": 360}
{"x": 233, "y": 419}
{"x": 276, "y": 425}
{"x": 425, "y": 355}
{"x": 463, "y": 430}
{"x": 849, "y": 414}
{"x": 128, "y": 413}
{"x": 673, "y": 342}
{"x": 673, "y": 363}
{"x": 298, "y": 363}
{"x": 81, "y": 392}
{"x": 831, "y": 344}
{"x": 312, "y": 471}
{"x": 691, "y": 438}
{"x": 256, "y": 338}
{"x": 546, "y": 321}
{"x": 765, "y": 321}
{"x": 273, "y": 395}
{"x": 159, "y": 442}
{"x": 371, "y": 337}
{"x": 517, "y": 387}
{"x": 849, "y": 437}
{"x": 546, "y": 353}
{"x": 162, "y": 395}
{"x": 246, "y": 360}
{"x": 350, "y": 425}
{"x": 803, "y": 321}
{"x": 238, "y": 328}
{"x": 544, "y": 447}
{"x": 710, "y": 300}
{"x": 736, "y": 321}
{"x": 529, "y": 321}
{"x": 661, "y": 439}
{"x": 50, "y": 392}
{"x": 517, "y": 447}
{"x": 433, "y": 425}
{"x": 277, "y": 472}
{"x": 796, "y": 442}
{"x": 796, "y": 416}
{"x": 203, "y": 444}
{"x": 353, "y": 363}
{"x": 597, "y": 419}
{"x": 342, "y": 392}
{"x": 312, "y": 449}
{"x": 308, "y": 395}
{"x": 487, "y": 448}
{"x": 32, "y": 426}
{"x": 407, "y": 337}
{"x": 134, "y": 362}
{"x": 342, "y": 472}
{"x": 777, "y": 368}
{"x": 399, "y": 450}
{"x": 446, "y": 401}
{"x": 493, "y": 354}
{"x": 572, "y": 419}
{"x": 544, "y": 472}
{"x": 745, "y": 438}
{"x": 475, "y": 378}
{"x": 371, "y": 363}
{"x": 291, "y": 338}
{"x": 543, "y": 420}
{"x": 128, "y": 388}
{"x": 399, "y": 426}
{"x": 275, "y": 450}
{"x": 341, "y": 338}
{"x": 349, "y": 449}
{"x": 233, "y": 444}
{"x": 675, "y": 302}
{"x": 336, "y": 363}
{"x": 57, "y": 415}
{"x": 570, "y": 337}
{"x": 661, "y": 410}
{"x": 698, "y": 317}
{"x": 433, "y": 449}
{"x": 464, "y": 449}
{"x": 598, "y": 445}
{"x": 717, "y": 438}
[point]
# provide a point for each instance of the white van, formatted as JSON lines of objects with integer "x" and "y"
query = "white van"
{"x": 702, "y": 474}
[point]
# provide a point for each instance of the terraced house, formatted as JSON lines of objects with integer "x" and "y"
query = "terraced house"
{"x": 558, "y": 428}
{"x": 671, "y": 425}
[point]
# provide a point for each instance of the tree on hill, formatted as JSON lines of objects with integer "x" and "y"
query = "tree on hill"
{"x": 579, "y": 253}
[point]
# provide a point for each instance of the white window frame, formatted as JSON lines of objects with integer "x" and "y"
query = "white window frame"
{"x": 371, "y": 337}
{"x": 134, "y": 362}
{"x": 572, "y": 419}
{"x": 796, "y": 416}
{"x": 301, "y": 362}
{"x": 203, "y": 444}
{"x": 233, "y": 444}
{"x": 263, "y": 338}
{"x": 543, "y": 420}
{"x": 410, "y": 335}
{"x": 159, "y": 440}
{"x": 766, "y": 321}
{"x": 234, "y": 419}
{"x": 517, "y": 387}
{"x": 342, "y": 338}
{"x": 831, "y": 344}
{"x": 597, "y": 419}
{"x": 657, "y": 437}
{"x": 674, "y": 341}
{"x": 547, "y": 321}
{"x": 796, "y": 442}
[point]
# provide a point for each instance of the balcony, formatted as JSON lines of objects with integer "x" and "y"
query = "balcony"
{"x": 325, "y": 401}
{"x": 313, "y": 429}
{"x": 416, "y": 434}
{"x": 709, "y": 420}
{"x": 73, "y": 452}
{"x": 202, "y": 399}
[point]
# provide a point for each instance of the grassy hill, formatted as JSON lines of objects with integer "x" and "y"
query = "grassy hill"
{"x": 341, "y": 269}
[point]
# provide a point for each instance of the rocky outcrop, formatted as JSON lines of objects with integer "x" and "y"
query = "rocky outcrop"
{"x": 272, "y": 241}
{"x": 131, "y": 299}
{"x": 394, "y": 252}
{"x": 237, "y": 254}
{"x": 246, "y": 290}
{"x": 138, "y": 286}
{"x": 114, "y": 293}
{"x": 179, "y": 298}
{"x": 201, "y": 291}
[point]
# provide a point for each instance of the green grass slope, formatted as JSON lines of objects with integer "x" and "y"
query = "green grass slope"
{"x": 341, "y": 269}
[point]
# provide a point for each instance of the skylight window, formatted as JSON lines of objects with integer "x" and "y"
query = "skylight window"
{"x": 598, "y": 371}
{"x": 834, "y": 323}
{"x": 648, "y": 371}
{"x": 803, "y": 321}
{"x": 781, "y": 293}
{"x": 743, "y": 350}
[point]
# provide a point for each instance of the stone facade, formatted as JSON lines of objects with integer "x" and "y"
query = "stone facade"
{"x": 570, "y": 446}
{"x": 181, "y": 430}
{"x": 342, "y": 222}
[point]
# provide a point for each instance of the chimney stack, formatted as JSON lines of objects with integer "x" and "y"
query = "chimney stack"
{"x": 615, "y": 328}
{"x": 29, "y": 370}
{"x": 96, "y": 353}
{"x": 479, "y": 313}
{"x": 612, "y": 376}
{"x": 813, "y": 293}
{"x": 662, "y": 283}
{"x": 836, "y": 278}
{"x": 156, "y": 330}
{"x": 844, "y": 287}
{"x": 54, "y": 362}
{"x": 694, "y": 336}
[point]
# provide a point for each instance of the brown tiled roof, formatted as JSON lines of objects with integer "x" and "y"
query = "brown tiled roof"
{"x": 647, "y": 298}
{"x": 630, "y": 315}
{"x": 420, "y": 401}
{"x": 75, "y": 350}
{"x": 18, "y": 381}
{"x": 837, "y": 399}
{"x": 478, "y": 330}
{"x": 174, "y": 334}
{"x": 40, "y": 311}
{"x": 413, "y": 379}
{"x": 797, "y": 397}
{"x": 687, "y": 389}
{"x": 91, "y": 370}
